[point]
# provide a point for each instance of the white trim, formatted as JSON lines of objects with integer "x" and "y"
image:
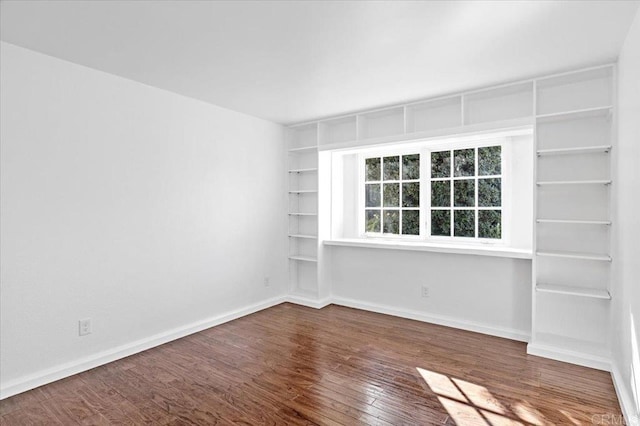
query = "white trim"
{"x": 43, "y": 377}
{"x": 308, "y": 302}
{"x": 477, "y": 249}
{"x": 507, "y": 126}
{"x": 507, "y": 333}
{"x": 539, "y": 79}
{"x": 572, "y": 357}
{"x": 624, "y": 397}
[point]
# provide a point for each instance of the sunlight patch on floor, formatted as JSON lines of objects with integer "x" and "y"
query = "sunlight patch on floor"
{"x": 472, "y": 404}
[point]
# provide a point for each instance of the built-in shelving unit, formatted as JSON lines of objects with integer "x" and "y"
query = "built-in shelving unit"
{"x": 571, "y": 267}
{"x": 572, "y": 115}
{"x": 303, "y": 208}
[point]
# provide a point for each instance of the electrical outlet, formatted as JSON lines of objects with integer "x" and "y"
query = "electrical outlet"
{"x": 84, "y": 326}
{"x": 266, "y": 282}
{"x": 425, "y": 291}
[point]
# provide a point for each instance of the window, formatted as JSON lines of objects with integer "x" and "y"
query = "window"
{"x": 466, "y": 193}
{"x": 462, "y": 197}
{"x": 392, "y": 194}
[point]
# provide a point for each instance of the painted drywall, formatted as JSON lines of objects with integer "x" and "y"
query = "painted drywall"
{"x": 626, "y": 228}
{"x": 491, "y": 293}
{"x": 143, "y": 210}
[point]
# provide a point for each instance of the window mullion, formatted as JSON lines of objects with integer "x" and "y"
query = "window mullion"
{"x": 476, "y": 213}
{"x": 451, "y": 201}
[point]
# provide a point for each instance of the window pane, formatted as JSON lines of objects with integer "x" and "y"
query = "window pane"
{"x": 441, "y": 193}
{"x": 411, "y": 222}
{"x": 463, "y": 193}
{"x": 372, "y": 195}
{"x": 441, "y": 222}
{"x": 392, "y": 195}
{"x": 372, "y": 220}
{"x": 372, "y": 166}
{"x": 411, "y": 194}
{"x": 441, "y": 164}
{"x": 490, "y": 224}
{"x": 489, "y": 192}
{"x": 489, "y": 160}
{"x": 391, "y": 168}
{"x": 391, "y": 222}
{"x": 411, "y": 166}
{"x": 464, "y": 162}
{"x": 464, "y": 223}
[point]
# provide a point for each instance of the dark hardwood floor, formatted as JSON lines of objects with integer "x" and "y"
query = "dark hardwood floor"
{"x": 296, "y": 365}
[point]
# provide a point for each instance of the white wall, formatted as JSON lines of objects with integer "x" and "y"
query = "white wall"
{"x": 138, "y": 208}
{"x": 626, "y": 268}
{"x": 489, "y": 294}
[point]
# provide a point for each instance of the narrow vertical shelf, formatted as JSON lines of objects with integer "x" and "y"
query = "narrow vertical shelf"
{"x": 303, "y": 207}
{"x": 574, "y": 135}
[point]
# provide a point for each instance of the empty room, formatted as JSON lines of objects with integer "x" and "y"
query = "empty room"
{"x": 319, "y": 212}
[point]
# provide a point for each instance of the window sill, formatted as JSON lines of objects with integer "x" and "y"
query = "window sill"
{"x": 480, "y": 250}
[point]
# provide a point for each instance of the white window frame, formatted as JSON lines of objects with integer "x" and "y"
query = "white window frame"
{"x": 399, "y": 152}
{"x": 476, "y": 208}
{"x": 425, "y": 149}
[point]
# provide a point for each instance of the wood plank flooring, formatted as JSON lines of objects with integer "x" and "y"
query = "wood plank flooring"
{"x": 295, "y": 365}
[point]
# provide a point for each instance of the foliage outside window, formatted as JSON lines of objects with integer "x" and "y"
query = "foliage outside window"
{"x": 466, "y": 193}
{"x": 392, "y": 194}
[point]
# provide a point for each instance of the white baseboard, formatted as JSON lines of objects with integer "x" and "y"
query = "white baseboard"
{"x": 507, "y": 333}
{"x": 572, "y": 357}
{"x": 68, "y": 369}
{"x": 631, "y": 416}
{"x": 58, "y": 372}
{"x": 309, "y": 302}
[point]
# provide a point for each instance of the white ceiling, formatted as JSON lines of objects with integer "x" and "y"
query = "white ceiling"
{"x": 291, "y": 61}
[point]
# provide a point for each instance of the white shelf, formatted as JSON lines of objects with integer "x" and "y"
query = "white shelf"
{"x": 311, "y": 237}
{"x": 575, "y": 222}
{"x": 304, "y": 149}
{"x": 303, "y": 258}
{"x": 303, "y": 191}
{"x": 576, "y": 150}
{"x": 575, "y": 182}
{"x": 302, "y": 214}
{"x": 578, "y": 113}
{"x": 309, "y": 170}
{"x": 575, "y": 255}
{"x": 574, "y": 291}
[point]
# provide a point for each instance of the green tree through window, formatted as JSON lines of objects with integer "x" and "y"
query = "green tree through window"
{"x": 392, "y": 194}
